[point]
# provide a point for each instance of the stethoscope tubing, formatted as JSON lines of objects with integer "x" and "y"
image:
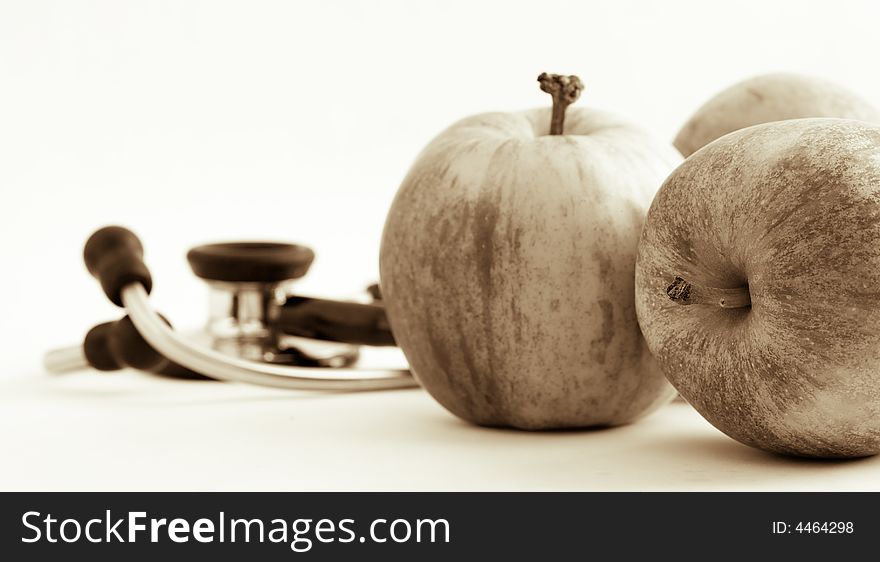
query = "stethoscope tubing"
{"x": 65, "y": 359}
{"x": 232, "y": 369}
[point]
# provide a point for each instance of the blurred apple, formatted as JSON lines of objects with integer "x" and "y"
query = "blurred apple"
{"x": 771, "y": 97}
{"x": 507, "y": 266}
{"x": 758, "y": 285}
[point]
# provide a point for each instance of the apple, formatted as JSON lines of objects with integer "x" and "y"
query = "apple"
{"x": 766, "y": 98}
{"x": 758, "y": 285}
{"x": 507, "y": 266}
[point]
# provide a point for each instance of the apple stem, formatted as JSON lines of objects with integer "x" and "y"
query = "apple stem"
{"x": 565, "y": 90}
{"x": 684, "y": 292}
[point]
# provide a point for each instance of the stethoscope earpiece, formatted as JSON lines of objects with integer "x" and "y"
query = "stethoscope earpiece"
{"x": 114, "y": 256}
{"x": 112, "y": 346}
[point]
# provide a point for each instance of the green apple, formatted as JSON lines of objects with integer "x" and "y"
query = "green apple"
{"x": 507, "y": 266}
{"x": 766, "y": 98}
{"x": 758, "y": 285}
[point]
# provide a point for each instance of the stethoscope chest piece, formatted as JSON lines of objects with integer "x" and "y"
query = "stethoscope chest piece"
{"x": 249, "y": 283}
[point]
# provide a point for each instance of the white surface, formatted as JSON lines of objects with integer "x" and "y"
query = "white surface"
{"x": 199, "y": 121}
{"x": 133, "y": 431}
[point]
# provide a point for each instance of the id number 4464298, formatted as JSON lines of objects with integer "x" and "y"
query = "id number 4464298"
{"x": 813, "y": 527}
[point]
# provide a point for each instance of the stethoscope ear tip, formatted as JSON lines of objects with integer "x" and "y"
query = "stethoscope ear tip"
{"x": 114, "y": 256}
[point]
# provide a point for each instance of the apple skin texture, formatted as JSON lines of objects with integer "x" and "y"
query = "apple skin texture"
{"x": 507, "y": 268}
{"x": 767, "y": 98}
{"x": 791, "y": 208}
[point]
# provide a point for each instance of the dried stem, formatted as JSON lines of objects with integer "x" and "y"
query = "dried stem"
{"x": 565, "y": 90}
{"x": 684, "y": 292}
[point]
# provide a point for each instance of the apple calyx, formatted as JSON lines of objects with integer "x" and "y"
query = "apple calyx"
{"x": 685, "y": 293}
{"x": 565, "y": 90}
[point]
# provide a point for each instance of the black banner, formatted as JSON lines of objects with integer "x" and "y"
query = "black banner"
{"x": 435, "y": 526}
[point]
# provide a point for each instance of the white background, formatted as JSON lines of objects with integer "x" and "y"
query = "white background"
{"x": 200, "y": 121}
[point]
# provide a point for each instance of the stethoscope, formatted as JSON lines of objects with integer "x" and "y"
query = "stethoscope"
{"x": 258, "y": 331}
